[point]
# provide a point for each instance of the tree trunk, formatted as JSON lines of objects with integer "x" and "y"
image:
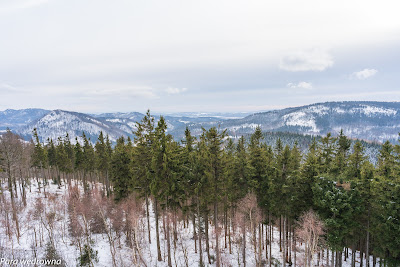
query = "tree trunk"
{"x": 295, "y": 255}
{"x": 157, "y": 230}
{"x": 168, "y": 241}
{"x": 226, "y": 225}
{"x": 244, "y": 241}
{"x": 367, "y": 244}
{"x": 259, "y": 244}
{"x": 216, "y": 233}
{"x": 361, "y": 257}
{"x": 194, "y": 232}
{"x": 199, "y": 226}
{"x": 207, "y": 240}
{"x": 284, "y": 241}
{"x": 229, "y": 232}
{"x": 175, "y": 229}
{"x": 353, "y": 256}
{"x": 280, "y": 233}
{"x": 290, "y": 231}
{"x": 327, "y": 257}
{"x": 148, "y": 216}
{"x": 271, "y": 239}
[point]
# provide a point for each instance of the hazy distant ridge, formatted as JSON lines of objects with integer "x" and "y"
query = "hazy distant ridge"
{"x": 374, "y": 121}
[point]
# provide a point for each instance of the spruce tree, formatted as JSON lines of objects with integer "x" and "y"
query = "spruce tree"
{"x": 103, "y": 158}
{"x": 214, "y": 140}
{"x": 141, "y": 164}
{"x": 121, "y": 172}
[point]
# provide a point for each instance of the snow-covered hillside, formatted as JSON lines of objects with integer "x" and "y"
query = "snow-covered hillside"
{"x": 58, "y": 123}
{"x": 13, "y": 119}
{"x": 64, "y": 217}
{"x": 373, "y": 121}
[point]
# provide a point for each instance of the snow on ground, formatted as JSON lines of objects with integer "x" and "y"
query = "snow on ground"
{"x": 300, "y": 118}
{"x": 371, "y": 110}
{"x": 183, "y": 255}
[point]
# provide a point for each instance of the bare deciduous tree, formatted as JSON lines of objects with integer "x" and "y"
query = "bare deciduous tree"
{"x": 11, "y": 150}
{"x": 250, "y": 217}
{"x": 310, "y": 231}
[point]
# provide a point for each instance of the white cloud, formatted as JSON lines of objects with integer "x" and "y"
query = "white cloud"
{"x": 9, "y": 5}
{"x": 105, "y": 90}
{"x": 364, "y": 74}
{"x": 303, "y": 85}
{"x": 308, "y": 60}
{"x": 121, "y": 90}
{"x": 5, "y": 87}
{"x": 174, "y": 91}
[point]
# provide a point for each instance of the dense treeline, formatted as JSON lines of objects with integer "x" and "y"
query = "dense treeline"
{"x": 212, "y": 180}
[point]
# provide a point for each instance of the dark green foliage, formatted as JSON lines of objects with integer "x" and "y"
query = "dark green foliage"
{"x": 339, "y": 208}
{"x": 386, "y": 161}
{"x": 53, "y": 256}
{"x": 88, "y": 155}
{"x": 334, "y": 176}
{"x": 51, "y": 153}
{"x": 386, "y": 220}
{"x": 79, "y": 159}
{"x": 102, "y": 154}
{"x": 88, "y": 256}
{"x": 142, "y": 155}
{"x": 121, "y": 172}
{"x": 167, "y": 185}
{"x": 39, "y": 157}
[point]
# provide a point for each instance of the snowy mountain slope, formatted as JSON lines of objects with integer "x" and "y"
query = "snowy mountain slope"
{"x": 374, "y": 121}
{"x": 12, "y": 118}
{"x": 59, "y": 122}
{"x": 125, "y": 122}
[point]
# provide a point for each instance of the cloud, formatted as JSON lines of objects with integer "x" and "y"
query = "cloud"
{"x": 174, "y": 90}
{"x": 364, "y": 74}
{"x": 7, "y": 88}
{"x": 303, "y": 85}
{"x": 9, "y": 5}
{"x": 105, "y": 90}
{"x": 308, "y": 60}
{"x": 123, "y": 91}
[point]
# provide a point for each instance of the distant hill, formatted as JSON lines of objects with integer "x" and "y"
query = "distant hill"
{"x": 57, "y": 123}
{"x": 372, "y": 121}
{"x": 15, "y": 119}
{"x": 371, "y": 149}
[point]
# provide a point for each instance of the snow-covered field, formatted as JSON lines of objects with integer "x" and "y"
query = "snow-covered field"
{"x": 46, "y": 216}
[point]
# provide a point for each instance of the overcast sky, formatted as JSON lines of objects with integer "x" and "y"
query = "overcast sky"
{"x": 208, "y": 55}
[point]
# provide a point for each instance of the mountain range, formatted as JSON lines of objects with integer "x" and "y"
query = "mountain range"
{"x": 372, "y": 121}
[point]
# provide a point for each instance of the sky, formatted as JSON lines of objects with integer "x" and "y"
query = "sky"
{"x": 189, "y": 56}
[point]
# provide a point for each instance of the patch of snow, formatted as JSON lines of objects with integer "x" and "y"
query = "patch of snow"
{"x": 243, "y": 126}
{"x": 371, "y": 110}
{"x": 319, "y": 109}
{"x": 114, "y": 120}
{"x": 300, "y": 118}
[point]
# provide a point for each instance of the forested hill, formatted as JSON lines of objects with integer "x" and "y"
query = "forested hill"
{"x": 303, "y": 142}
{"x": 56, "y": 123}
{"x": 372, "y": 121}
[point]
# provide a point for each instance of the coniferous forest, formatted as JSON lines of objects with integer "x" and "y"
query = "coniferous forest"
{"x": 206, "y": 200}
